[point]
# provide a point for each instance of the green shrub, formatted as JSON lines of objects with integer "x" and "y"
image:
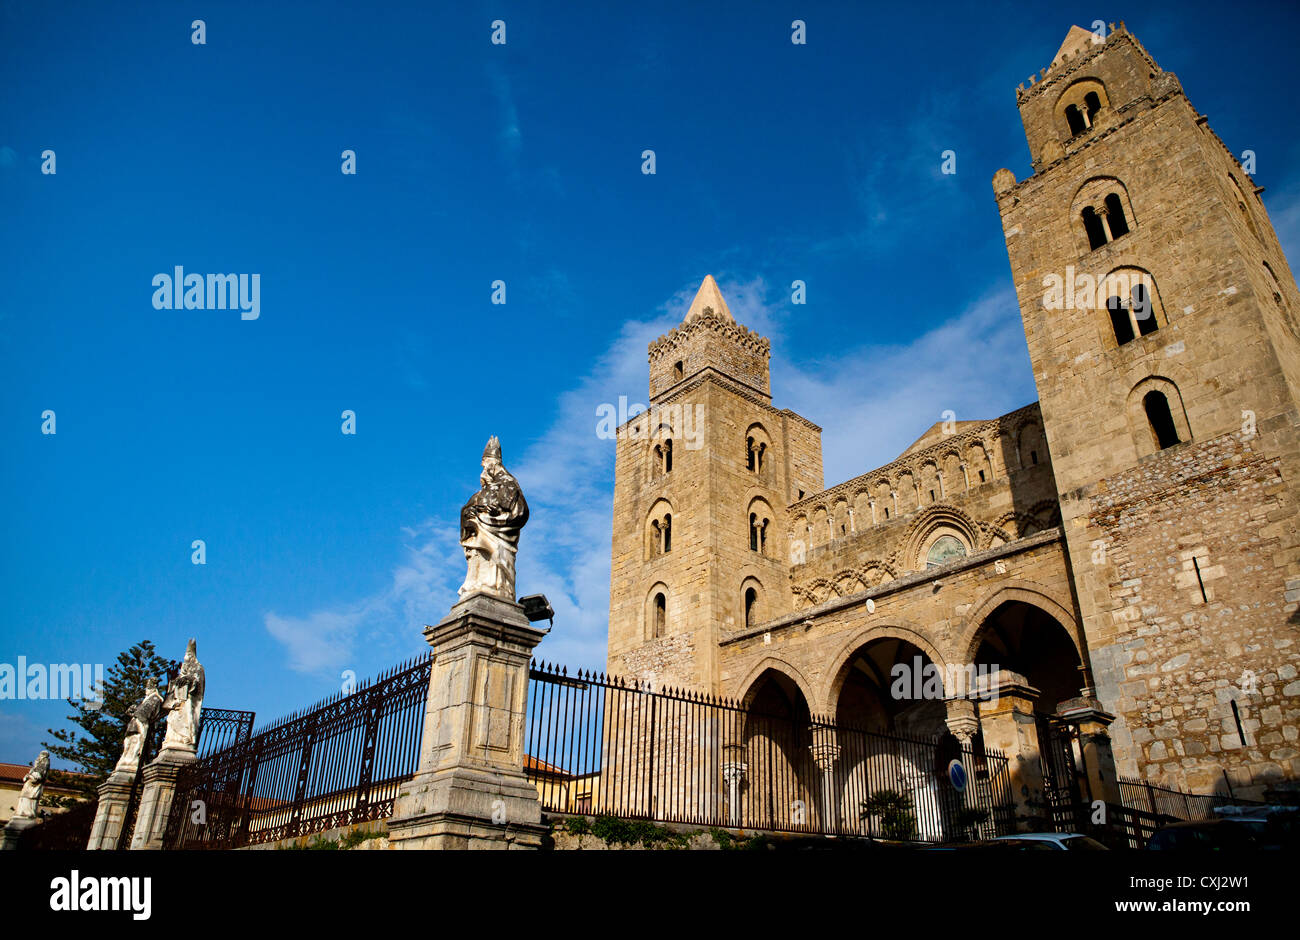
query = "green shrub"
{"x": 895, "y": 812}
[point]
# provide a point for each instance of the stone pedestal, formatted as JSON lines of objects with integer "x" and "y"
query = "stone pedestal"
{"x": 1087, "y": 715}
{"x": 12, "y": 834}
{"x": 470, "y": 791}
{"x": 1008, "y": 723}
{"x": 110, "y": 815}
{"x": 156, "y": 800}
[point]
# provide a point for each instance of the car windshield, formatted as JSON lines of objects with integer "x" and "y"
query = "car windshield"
{"x": 1083, "y": 843}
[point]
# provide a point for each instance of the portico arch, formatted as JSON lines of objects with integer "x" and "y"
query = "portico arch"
{"x": 842, "y": 662}
{"x": 1030, "y": 593}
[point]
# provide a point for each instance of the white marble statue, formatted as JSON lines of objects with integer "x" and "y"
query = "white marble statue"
{"x": 490, "y": 524}
{"x": 33, "y": 787}
{"x": 143, "y": 715}
{"x": 184, "y": 703}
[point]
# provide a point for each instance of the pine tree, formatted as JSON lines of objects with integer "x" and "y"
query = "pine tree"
{"x": 104, "y": 721}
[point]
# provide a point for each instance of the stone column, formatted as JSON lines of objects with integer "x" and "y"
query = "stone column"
{"x": 159, "y": 790}
{"x": 470, "y": 790}
{"x": 1007, "y": 719}
{"x": 110, "y": 814}
{"x": 964, "y": 724}
{"x": 1091, "y": 720}
{"x": 733, "y": 772}
{"x": 825, "y": 752}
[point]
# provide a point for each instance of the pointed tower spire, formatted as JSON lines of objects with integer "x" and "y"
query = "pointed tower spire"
{"x": 708, "y": 297}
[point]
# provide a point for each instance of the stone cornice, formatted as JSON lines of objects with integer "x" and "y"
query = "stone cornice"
{"x": 717, "y": 378}
{"x": 712, "y": 322}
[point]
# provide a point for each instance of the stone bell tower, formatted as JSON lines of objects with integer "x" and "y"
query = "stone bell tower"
{"x": 1163, "y": 325}
{"x": 702, "y": 479}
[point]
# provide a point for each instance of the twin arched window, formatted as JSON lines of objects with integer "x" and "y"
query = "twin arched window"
{"x": 1079, "y": 116}
{"x": 661, "y": 532}
{"x": 663, "y": 455}
{"x": 754, "y": 453}
{"x": 1106, "y": 222}
{"x": 1135, "y": 311}
{"x": 758, "y": 532}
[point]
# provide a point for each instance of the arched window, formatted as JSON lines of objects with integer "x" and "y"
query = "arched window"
{"x": 1115, "y": 220}
{"x": 668, "y": 455}
{"x": 1079, "y": 104}
{"x": 1143, "y": 311}
{"x": 659, "y": 529}
{"x": 678, "y": 371}
{"x": 1119, "y": 320}
{"x": 1093, "y": 104}
{"x": 1092, "y": 225}
{"x": 1103, "y": 206}
{"x": 661, "y": 615}
{"x": 751, "y": 607}
{"x": 944, "y": 550}
{"x": 1131, "y": 303}
{"x": 1074, "y": 117}
{"x": 1160, "y": 418}
{"x": 758, "y": 533}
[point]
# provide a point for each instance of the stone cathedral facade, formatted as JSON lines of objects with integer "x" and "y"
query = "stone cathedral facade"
{"x": 1122, "y": 554}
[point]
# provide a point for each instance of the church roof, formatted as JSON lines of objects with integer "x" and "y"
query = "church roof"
{"x": 1077, "y": 40}
{"x": 935, "y": 433}
{"x": 708, "y": 296}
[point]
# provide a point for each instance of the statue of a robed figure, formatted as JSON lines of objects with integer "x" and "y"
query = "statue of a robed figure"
{"x": 33, "y": 786}
{"x": 143, "y": 715}
{"x": 490, "y": 524}
{"x": 184, "y": 703}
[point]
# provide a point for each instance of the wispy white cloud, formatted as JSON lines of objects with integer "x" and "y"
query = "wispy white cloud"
{"x": 426, "y": 580}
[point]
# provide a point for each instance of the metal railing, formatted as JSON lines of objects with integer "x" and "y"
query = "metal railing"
{"x": 1162, "y": 801}
{"x": 608, "y": 746}
{"x": 335, "y": 764}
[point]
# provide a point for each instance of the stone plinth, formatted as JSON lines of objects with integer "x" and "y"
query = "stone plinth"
{"x": 470, "y": 791}
{"x": 110, "y": 815}
{"x": 13, "y": 831}
{"x": 1008, "y": 723}
{"x": 156, "y": 801}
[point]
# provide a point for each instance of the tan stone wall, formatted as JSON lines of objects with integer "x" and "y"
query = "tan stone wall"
{"x": 1164, "y": 659}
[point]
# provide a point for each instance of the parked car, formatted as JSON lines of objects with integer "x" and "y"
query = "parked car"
{"x": 1063, "y": 841}
{"x": 1001, "y": 844}
{"x": 1272, "y": 831}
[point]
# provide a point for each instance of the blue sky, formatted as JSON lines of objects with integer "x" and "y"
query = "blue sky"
{"x": 477, "y": 162}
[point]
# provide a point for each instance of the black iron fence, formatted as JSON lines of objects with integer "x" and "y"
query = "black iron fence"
{"x": 335, "y": 764}
{"x": 1163, "y": 801}
{"x": 604, "y": 745}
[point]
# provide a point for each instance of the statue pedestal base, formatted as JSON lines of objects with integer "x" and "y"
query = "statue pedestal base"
{"x": 159, "y": 790}
{"x": 110, "y": 815}
{"x": 470, "y": 791}
{"x": 13, "y": 831}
